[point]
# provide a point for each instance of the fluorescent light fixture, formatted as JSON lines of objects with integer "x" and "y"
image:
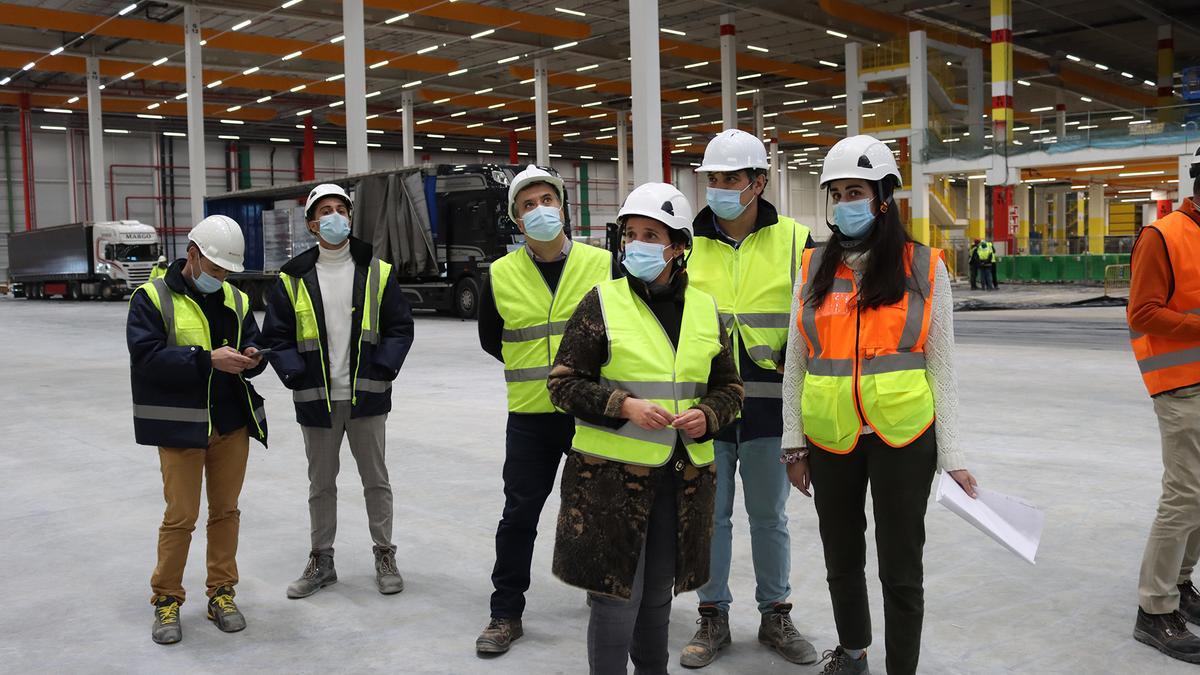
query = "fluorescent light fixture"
{"x": 437, "y": 102}
{"x": 229, "y": 138}
{"x": 769, "y": 115}
{"x": 529, "y": 81}
{"x": 809, "y": 134}
{"x": 690, "y": 100}
{"x": 374, "y": 131}
{"x": 572, "y": 12}
{"x": 290, "y": 3}
{"x": 753, "y": 48}
{"x": 751, "y": 76}
{"x": 1020, "y": 128}
{"x": 1121, "y": 118}
{"x": 1072, "y": 123}
{"x": 56, "y": 51}
{"x": 696, "y": 65}
{"x": 335, "y": 78}
{"x": 373, "y": 94}
{"x": 1133, "y": 174}
{"x": 75, "y": 99}
{"x": 152, "y": 106}
{"x": 180, "y": 97}
{"x": 1074, "y": 58}
{"x": 460, "y": 113}
{"x": 1125, "y": 74}
{"x": 801, "y": 83}
{"x": 570, "y": 135}
{"x": 176, "y": 134}
{"x": 1039, "y": 180}
{"x": 799, "y": 101}
{"x": 29, "y": 66}
{"x": 1130, "y": 192}
{"x": 424, "y": 121}
{"x": 831, "y": 64}
{"x": 509, "y": 59}
{"x": 839, "y": 97}
{"x": 824, "y": 107}
{"x": 264, "y": 99}
{"x": 1101, "y": 66}
{"x": 608, "y": 136}
{"x": 671, "y": 31}
{"x": 585, "y": 68}
{"x": 337, "y": 104}
{"x": 49, "y": 127}
{"x": 1137, "y": 122}
{"x": 1085, "y": 99}
{"x": 1023, "y": 83}
{"x": 836, "y": 34}
{"x": 435, "y": 135}
{"x": 566, "y": 45}
{"x": 234, "y": 109}
{"x": 977, "y": 176}
{"x": 554, "y": 124}
{"x": 1110, "y": 167}
{"x": 493, "y": 140}
{"x": 337, "y": 39}
{"x": 452, "y": 73}
{"x": 241, "y": 25}
{"x": 697, "y": 85}
{"x": 116, "y": 131}
{"x": 289, "y": 57}
{"x": 411, "y": 84}
{"x": 483, "y": 33}
{"x": 394, "y": 19}
{"x": 449, "y": 149}
{"x": 1088, "y": 126}
{"x": 378, "y": 64}
{"x": 327, "y": 142}
{"x": 1035, "y": 132}
{"x": 1042, "y": 109}
{"x": 483, "y": 91}
{"x": 1148, "y": 83}
{"x": 689, "y": 117}
{"x": 810, "y": 123}
{"x": 585, "y": 86}
{"x": 374, "y": 115}
{"x": 128, "y": 9}
{"x": 556, "y": 155}
{"x": 299, "y": 87}
{"x": 426, "y": 50}
{"x": 514, "y": 118}
{"x": 522, "y": 129}
{"x": 211, "y": 85}
{"x": 60, "y": 111}
{"x": 250, "y": 71}
{"x": 302, "y": 113}
{"x": 496, "y": 105}
{"x": 596, "y": 116}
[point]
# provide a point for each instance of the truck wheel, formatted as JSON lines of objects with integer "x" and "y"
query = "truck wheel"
{"x": 108, "y": 293}
{"x": 72, "y": 292}
{"x": 466, "y": 298}
{"x": 35, "y": 291}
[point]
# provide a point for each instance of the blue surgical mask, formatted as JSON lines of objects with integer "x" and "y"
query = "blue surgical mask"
{"x": 334, "y": 228}
{"x": 542, "y": 223}
{"x": 643, "y": 260}
{"x": 206, "y": 283}
{"x": 727, "y": 204}
{"x": 854, "y": 219}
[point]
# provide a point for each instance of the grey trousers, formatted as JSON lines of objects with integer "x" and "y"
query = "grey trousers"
{"x": 323, "y": 446}
{"x": 636, "y": 629}
{"x": 1174, "y": 543}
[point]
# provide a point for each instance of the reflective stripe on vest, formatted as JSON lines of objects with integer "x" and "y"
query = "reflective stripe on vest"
{"x": 186, "y": 326}
{"x": 867, "y": 366}
{"x": 308, "y": 331}
{"x": 643, "y": 361}
{"x": 534, "y": 318}
{"x": 753, "y": 286}
{"x": 1167, "y": 364}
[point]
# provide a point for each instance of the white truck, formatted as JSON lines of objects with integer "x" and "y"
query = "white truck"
{"x": 83, "y": 260}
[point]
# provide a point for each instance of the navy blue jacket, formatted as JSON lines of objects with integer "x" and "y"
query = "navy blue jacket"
{"x": 378, "y": 365}
{"x": 164, "y": 377}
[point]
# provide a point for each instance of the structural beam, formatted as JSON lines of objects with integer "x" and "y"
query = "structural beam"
{"x": 1002, "y": 72}
{"x": 975, "y": 91}
{"x": 1021, "y": 198}
{"x": 728, "y": 72}
{"x": 758, "y": 115}
{"x": 354, "y": 63}
{"x": 853, "y": 89}
{"x": 96, "y": 142}
{"x": 541, "y": 94}
{"x": 647, "y": 101}
{"x": 976, "y": 209}
{"x": 195, "y": 112}
{"x": 622, "y": 155}
{"x": 918, "y": 97}
{"x": 1166, "y": 73}
{"x": 407, "y": 127}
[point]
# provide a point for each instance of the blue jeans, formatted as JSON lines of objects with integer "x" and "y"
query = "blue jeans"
{"x": 767, "y": 490}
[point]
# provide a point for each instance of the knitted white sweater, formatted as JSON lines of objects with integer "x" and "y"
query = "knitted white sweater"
{"x": 939, "y": 355}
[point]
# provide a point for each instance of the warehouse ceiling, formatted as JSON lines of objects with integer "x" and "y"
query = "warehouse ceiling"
{"x": 469, "y": 63}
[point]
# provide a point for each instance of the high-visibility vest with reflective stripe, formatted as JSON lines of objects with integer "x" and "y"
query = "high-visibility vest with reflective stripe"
{"x": 1168, "y": 364}
{"x": 867, "y": 365}
{"x": 643, "y": 361}
{"x": 753, "y": 286}
{"x": 186, "y": 326}
{"x": 534, "y": 318}
{"x": 986, "y": 252}
{"x": 308, "y": 332}
{"x": 157, "y": 272}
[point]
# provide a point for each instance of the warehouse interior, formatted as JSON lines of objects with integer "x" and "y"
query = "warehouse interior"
{"x": 1056, "y": 129}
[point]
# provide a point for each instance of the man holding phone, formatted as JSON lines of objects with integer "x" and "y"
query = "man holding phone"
{"x": 192, "y": 347}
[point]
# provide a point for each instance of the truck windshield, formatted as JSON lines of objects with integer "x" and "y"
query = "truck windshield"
{"x": 131, "y": 252}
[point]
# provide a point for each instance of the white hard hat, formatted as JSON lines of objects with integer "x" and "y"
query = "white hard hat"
{"x": 662, "y": 202}
{"x": 325, "y": 190}
{"x": 859, "y": 157}
{"x": 732, "y": 150}
{"x": 162, "y": 258}
{"x": 219, "y": 239}
{"x": 531, "y": 174}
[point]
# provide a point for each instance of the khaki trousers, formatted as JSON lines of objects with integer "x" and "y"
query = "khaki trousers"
{"x": 222, "y": 467}
{"x": 1174, "y": 543}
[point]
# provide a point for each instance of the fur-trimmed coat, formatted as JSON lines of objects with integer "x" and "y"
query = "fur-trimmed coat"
{"x": 605, "y": 505}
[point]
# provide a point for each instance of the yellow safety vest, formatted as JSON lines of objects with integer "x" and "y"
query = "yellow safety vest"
{"x": 186, "y": 326}
{"x": 534, "y": 318}
{"x": 158, "y": 272}
{"x": 753, "y": 287}
{"x": 308, "y": 330}
{"x": 643, "y": 361}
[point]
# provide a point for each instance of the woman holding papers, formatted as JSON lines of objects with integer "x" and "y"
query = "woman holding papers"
{"x": 868, "y": 369}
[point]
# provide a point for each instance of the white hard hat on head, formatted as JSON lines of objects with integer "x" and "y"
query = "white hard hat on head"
{"x": 662, "y": 202}
{"x": 528, "y": 176}
{"x": 862, "y": 157}
{"x": 220, "y": 239}
{"x": 162, "y": 258}
{"x": 325, "y": 190}
{"x": 733, "y": 150}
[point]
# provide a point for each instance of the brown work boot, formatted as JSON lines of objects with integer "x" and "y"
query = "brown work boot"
{"x": 1189, "y": 602}
{"x": 1168, "y": 634}
{"x": 779, "y": 633}
{"x": 498, "y": 636}
{"x": 709, "y": 640}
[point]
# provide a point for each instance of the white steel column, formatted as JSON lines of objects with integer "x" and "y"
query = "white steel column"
{"x": 622, "y": 155}
{"x": 776, "y": 172}
{"x": 918, "y": 96}
{"x": 1060, "y": 223}
{"x": 758, "y": 115}
{"x": 96, "y": 142}
{"x": 853, "y": 89}
{"x": 975, "y": 92}
{"x": 647, "y": 95}
{"x": 354, "y": 63}
{"x": 541, "y": 117}
{"x": 406, "y": 128}
{"x": 1021, "y": 197}
{"x": 197, "y": 176}
{"x": 728, "y": 72}
{"x": 785, "y": 186}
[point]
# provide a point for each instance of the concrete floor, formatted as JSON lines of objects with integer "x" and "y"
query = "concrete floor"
{"x": 1053, "y": 411}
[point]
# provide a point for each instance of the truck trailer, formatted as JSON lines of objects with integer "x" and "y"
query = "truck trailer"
{"x": 82, "y": 260}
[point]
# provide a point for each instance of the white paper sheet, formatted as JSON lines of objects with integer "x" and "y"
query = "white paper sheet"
{"x": 1013, "y": 522}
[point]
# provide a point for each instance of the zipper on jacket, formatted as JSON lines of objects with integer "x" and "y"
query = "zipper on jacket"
{"x": 674, "y": 351}
{"x": 858, "y": 408}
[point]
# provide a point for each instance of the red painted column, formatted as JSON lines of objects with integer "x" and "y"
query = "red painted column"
{"x": 1002, "y": 200}
{"x": 309, "y": 156}
{"x": 666, "y": 145}
{"x": 27, "y": 162}
{"x": 512, "y": 147}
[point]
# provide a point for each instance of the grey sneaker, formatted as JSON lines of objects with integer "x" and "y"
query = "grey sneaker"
{"x": 166, "y": 629}
{"x": 709, "y": 640}
{"x": 840, "y": 663}
{"x": 387, "y": 577}
{"x": 318, "y": 574}
{"x": 224, "y": 612}
{"x": 498, "y": 636}
{"x": 779, "y": 633}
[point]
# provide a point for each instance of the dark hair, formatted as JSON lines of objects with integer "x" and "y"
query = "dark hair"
{"x": 883, "y": 281}
{"x": 1196, "y": 187}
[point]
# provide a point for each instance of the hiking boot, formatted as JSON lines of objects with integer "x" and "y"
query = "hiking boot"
{"x": 779, "y": 633}
{"x": 1189, "y": 602}
{"x": 166, "y": 629}
{"x": 840, "y": 663}
{"x": 224, "y": 612}
{"x": 1168, "y": 634}
{"x": 318, "y": 574}
{"x": 387, "y": 577}
{"x": 498, "y": 636}
{"x": 709, "y": 640}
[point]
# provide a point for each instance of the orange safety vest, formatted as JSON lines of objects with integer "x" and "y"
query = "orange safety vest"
{"x": 1165, "y": 363}
{"x": 867, "y": 365}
